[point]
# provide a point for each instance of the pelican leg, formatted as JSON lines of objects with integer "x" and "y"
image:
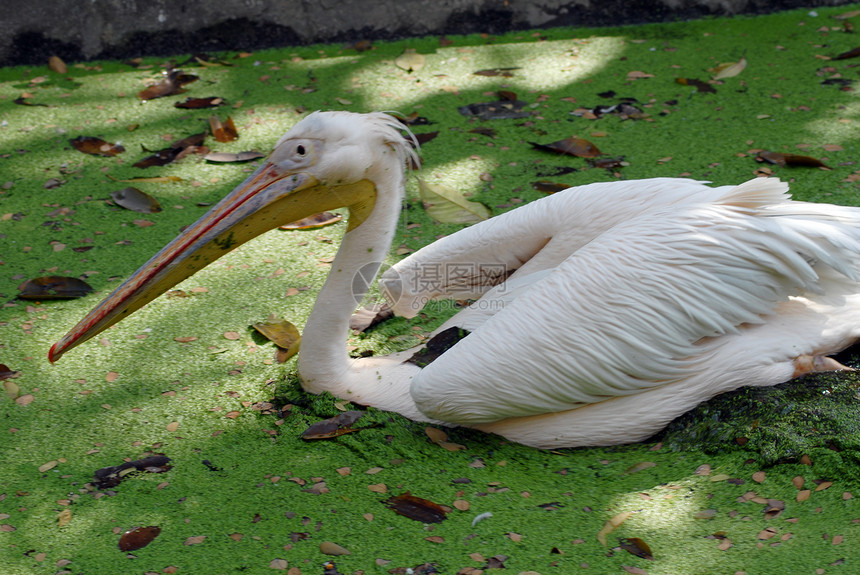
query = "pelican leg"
{"x": 805, "y": 363}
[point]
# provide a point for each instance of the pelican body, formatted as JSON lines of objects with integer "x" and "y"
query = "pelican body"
{"x": 600, "y": 313}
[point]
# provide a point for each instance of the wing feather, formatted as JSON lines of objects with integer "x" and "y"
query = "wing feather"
{"x": 629, "y": 310}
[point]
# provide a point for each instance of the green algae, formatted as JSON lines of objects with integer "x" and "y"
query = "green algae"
{"x": 114, "y": 399}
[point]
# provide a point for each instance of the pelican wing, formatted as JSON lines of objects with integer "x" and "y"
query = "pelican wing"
{"x": 537, "y": 237}
{"x": 627, "y": 311}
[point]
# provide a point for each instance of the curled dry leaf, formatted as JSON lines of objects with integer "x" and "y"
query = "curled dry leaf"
{"x": 223, "y": 131}
{"x": 172, "y": 83}
{"x": 410, "y": 60}
{"x": 612, "y": 524}
{"x": 637, "y": 547}
{"x": 133, "y": 199}
{"x": 138, "y": 538}
{"x": 12, "y": 389}
{"x": 156, "y": 180}
{"x": 853, "y": 53}
{"x": 319, "y": 220}
{"x": 176, "y": 151}
{"x": 340, "y": 424}
{"x": 447, "y": 205}
{"x": 64, "y": 517}
{"x": 547, "y": 187}
{"x": 440, "y": 438}
{"x": 53, "y": 287}
{"x": 796, "y": 160}
{"x": 574, "y": 146}
{"x": 96, "y": 146}
{"x": 730, "y": 69}
{"x": 698, "y": 84}
{"x": 503, "y": 72}
{"x": 416, "y": 508}
{"x": 330, "y": 548}
{"x": 227, "y": 157}
{"x": 282, "y": 333}
{"x": 7, "y": 373}
{"x": 112, "y": 476}
{"x": 502, "y": 109}
{"x": 56, "y": 64}
{"x": 197, "y": 103}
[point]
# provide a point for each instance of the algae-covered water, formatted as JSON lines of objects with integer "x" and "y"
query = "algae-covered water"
{"x": 759, "y": 481}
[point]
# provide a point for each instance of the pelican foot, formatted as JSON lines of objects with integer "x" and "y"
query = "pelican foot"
{"x": 804, "y": 364}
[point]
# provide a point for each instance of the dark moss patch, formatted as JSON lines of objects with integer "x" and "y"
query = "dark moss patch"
{"x": 776, "y": 424}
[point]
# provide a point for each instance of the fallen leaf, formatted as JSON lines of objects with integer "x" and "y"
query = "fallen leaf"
{"x": 171, "y": 83}
{"x": 730, "y": 70}
{"x": 574, "y": 146}
{"x": 781, "y": 159}
{"x": 64, "y": 517}
{"x": 25, "y": 399}
{"x": 637, "y": 547}
{"x": 197, "y": 103}
{"x": 503, "y": 72}
{"x": 139, "y": 537}
{"x": 282, "y": 333}
{"x": 223, "y": 131}
{"x": 334, "y": 426}
{"x": 312, "y": 222}
{"x": 159, "y": 179}
{"x": 96, "y": 146}
{"x": 48, "y": 466}
{"x": 12, "y": 389}
{"x": 329, "y": 548}
{"x": 227, "y": 157}
{"x": 440, "y": 438}
{"x": 698, "y": 84}
{"x": 107, "y": 477}
{"x": 500, "y": 110}
{"x": 195, "y": 540}
{"x": 416, "y": 508}
{"x": 278, "y": 564}
{"x": 176, "y": 151}
{"x": 7, "y": 373}
{"x": 611, "y": 525}
{"x": 410, "y": 60}
{"x": 136, "y": 200}
{"x": 53, "y": 287}
{"x": 56, "y": 64}
{"x": 447, "y": 205}
{"x": 547, "y": 187}
{"x": 853, "y": 53}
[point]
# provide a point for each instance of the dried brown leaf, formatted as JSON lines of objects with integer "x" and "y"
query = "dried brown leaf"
{"x": 53, "y": 287}
{"x": 334, "y": 426}
{"x": 136, "y": 200}
{"x": 416, "y": 508}
{"x": 573, "y": 146}
{"x": 139, "y": 537}
{"x": 96, "y": 146}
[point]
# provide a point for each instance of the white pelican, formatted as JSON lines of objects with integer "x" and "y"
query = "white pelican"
{"x": 602, "y": 312}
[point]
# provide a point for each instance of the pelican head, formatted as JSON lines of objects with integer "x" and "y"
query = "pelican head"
{"x": 328, "y": 160}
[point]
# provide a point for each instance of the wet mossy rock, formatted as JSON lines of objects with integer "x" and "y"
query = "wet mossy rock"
{"x": 811, "y": 414}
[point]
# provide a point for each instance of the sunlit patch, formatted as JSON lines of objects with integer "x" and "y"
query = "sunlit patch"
{"x": 558, "y": 64}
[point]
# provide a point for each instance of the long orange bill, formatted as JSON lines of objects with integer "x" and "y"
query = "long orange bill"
{"x": 267, "y": 199}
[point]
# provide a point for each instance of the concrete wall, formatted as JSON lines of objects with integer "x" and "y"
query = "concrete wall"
{"x": 88, "y": 29}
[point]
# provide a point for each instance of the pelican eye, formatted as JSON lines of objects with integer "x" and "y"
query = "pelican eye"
{"x": 300, "y": 150}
